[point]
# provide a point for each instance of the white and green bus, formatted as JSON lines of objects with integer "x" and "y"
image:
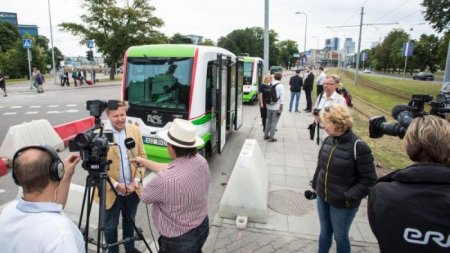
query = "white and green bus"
{"x": 202, "y": 84}
{"x": 253, "y": 70}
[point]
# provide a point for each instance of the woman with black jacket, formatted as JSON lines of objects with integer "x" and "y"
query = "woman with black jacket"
{"x": 344, "y": 173}
{"x": 409, "y": 209}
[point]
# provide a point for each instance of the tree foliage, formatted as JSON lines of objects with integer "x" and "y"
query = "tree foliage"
{"x": 251, "y": 41}
{"x": 177, "y": 38}
{"x": 8, "y": 36}
{"x": 287, "y": 49}
{"x": 438, "y": 14}
{"x": 115, "y": 25}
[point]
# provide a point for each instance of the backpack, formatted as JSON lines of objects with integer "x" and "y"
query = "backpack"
{"x": 270, "y": 94}
{"x": 347, "y": 97}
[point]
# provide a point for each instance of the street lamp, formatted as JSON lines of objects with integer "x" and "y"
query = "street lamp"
{"x": 317, "y": 51}
{"x": 306, "y": 27}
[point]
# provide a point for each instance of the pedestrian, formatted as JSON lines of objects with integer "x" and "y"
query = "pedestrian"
{"x": 308, "y": 87}
{"x": 33, "y": 79}
{"x": 75, "y": 76}
{"x": 36, "y": 222}
{"x": 274, "y": 110}
{"x": 66, "y": 78}
{"x": 320, "y": 80}
{"x": 81, "y": 75}
{"x": 126, "y": 178}
{"x": 40, "y": 80}
{"x": 408, "y": 209}
{"x": 3, "y": 84}
{"x": 61, "y": 77}
{"x": 328, "y": 97}
{"x": 179, "y": 191}
{"x": 262, "y": 103}
{"x": 345, "y": 171}
{"x": 296, "y": 83}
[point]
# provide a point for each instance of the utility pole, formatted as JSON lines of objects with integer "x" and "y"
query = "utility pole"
{"x": 51, "y": 38}
{"x": 447, "y": 65}
{"x": 266, "y": 37}
{"x": 359, "y": 47}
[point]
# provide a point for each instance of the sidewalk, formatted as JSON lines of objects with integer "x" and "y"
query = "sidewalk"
{"x": 49, "y": 85}
{"x": 293, "y": 224}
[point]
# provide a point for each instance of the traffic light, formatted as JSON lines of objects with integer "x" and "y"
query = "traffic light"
{"x": 90, "y": 55}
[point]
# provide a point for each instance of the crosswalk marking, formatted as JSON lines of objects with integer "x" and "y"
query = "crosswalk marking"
{"x": 16, "y": 107}
{"x": 71, "y": 105}
{"x": 2, "y": 191}
{"x": 35, "y": 106}
{"x": 9, "y": 113}
{"x": 71, "y": 111}
{"x": 53, "y": 112}
{"x": 33, "y": 112}
{"x": 52, "y": 106}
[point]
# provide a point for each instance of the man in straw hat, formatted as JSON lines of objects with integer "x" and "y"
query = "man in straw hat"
{"x": 179, "y": 191}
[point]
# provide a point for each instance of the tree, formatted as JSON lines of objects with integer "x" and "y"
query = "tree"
{"x": 437, "y": 13}
{"x": 425, "y": 54}
{"x": 251, "y": 41}
{"x": 208, "y": 42}
{"x": 177, "y": 38}
{"x": 117, "y": 26}
{"x": 8, "y": 36}
{"x": 287, "y": 49}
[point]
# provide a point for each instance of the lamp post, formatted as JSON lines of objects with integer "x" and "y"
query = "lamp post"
{"x": 306, "y": 28}
{"x": 51, "y": 39}
{"x": 317, "y": 51}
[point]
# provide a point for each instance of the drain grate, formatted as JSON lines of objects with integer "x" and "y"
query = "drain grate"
{"x": 289, "y": 203}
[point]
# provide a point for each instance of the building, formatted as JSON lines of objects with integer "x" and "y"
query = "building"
{"x": 349, "y": 46}
{"x": 196, "y": 39}
{"x": 11, "y": 17}
{"x": 332, "y": 44}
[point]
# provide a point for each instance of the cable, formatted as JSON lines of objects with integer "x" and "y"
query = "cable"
{"x": 123, "y": 172}
{"x": 150, "y": 228}
{"x": 389, "y": 12}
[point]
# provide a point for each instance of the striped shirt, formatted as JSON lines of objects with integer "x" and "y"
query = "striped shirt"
{"x": 179, "y": 195}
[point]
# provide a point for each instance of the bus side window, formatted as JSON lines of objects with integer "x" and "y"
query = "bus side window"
{"x": 209, "y": 86}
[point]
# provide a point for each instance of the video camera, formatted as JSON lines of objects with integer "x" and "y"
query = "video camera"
{"x": 93, "y": 144}
{"x": 405, "y": 114}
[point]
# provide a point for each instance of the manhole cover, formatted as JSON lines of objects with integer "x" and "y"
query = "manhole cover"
{"x": 289, "y": 202}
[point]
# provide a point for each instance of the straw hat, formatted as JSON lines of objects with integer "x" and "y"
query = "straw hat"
{"x": 181, "y": 134}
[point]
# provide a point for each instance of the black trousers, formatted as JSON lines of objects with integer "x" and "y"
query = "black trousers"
{"x": 308, "y": 99}
{"x": 319, "y": 89}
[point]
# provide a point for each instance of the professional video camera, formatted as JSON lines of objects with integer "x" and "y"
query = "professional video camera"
{"x": 93, "y": 144}
{"x": 404, "y": 114}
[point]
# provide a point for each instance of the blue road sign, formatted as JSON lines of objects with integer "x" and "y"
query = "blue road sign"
{"x": 90, "y": 44}
{"x": 408, "y": 48}
{"x": 26, "y": 43}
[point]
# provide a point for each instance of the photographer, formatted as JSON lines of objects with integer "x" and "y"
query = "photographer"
{"x": 124, "y": 176}
{"x": 408, "y": 209}
{"x": 179, "y": 191}
{"x": 344, "y": 173}
{"x": 36, "y": 222}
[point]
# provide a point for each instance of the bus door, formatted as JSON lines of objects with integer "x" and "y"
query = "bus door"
{"x": 222, "y": 100}
{"x": 239, "y": 92}
{"x": 231, "y": 96}
{"x": 211, "y": 102}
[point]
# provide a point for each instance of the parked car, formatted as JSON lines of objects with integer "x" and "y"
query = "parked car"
{"x": 423, "y": 76}
{"x": 275, "y": 69}
{"x": 367, "y": 71}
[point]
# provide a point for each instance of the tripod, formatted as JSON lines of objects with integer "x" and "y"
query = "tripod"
{"x": 99, "y": 179}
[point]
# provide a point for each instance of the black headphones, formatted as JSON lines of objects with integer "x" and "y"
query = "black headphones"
{"x": 56, "y": 169}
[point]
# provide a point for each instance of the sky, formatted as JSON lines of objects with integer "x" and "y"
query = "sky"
{"x": 213, "y": 19}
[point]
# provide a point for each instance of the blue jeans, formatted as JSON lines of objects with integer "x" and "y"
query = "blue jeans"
{"x": 112, "y": 220}
{"x": 335, "y": 221}
{"x": 191, "y": 242}
{"x": 295, "y": 95}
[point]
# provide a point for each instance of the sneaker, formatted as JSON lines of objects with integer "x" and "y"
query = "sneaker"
{"x": 272, "y": 140}
{"x": 266, "y": 137}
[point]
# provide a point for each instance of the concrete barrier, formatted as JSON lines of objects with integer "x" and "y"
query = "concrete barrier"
{"x": 247, "y": 189}
{"x": 30, "y": 133}
{"x": 69, "y": 130}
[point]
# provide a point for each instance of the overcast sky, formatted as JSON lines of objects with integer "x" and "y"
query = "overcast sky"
{"x": 213, "y": 19}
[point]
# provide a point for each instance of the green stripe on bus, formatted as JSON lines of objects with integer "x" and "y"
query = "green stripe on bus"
{"x": 202, "y": 120}
{"x": 163, "y": 50}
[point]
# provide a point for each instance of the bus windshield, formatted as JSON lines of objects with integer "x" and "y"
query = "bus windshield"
{"x": 248, "y": 67}
{"x": 159, "y": 83}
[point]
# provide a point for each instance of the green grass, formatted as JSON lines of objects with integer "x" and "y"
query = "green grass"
{"x": 407, "y": 86}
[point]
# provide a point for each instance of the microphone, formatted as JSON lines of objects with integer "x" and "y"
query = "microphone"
{"x": 310, "y": 195}
{"x": 130, "y": 144}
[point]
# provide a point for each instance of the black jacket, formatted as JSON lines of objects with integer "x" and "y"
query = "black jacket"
{"x": 309, "y": 81}
{"x": 296, "y": 83}
{"x": 409, "y": 209}
{"x": 339, "y": 179}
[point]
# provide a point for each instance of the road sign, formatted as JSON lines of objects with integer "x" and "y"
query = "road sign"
{"x": 408, "y": 48}
{"x": 26, "y": 43}
{"x": 90, "y": 44}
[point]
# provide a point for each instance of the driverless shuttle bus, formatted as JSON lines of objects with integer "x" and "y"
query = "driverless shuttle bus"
{"x": 202, "y": 84}
{"x": 253, "y": 69}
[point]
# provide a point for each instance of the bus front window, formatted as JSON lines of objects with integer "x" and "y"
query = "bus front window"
{"x": 159, "y": 83}
{"x": 248, "y": 66}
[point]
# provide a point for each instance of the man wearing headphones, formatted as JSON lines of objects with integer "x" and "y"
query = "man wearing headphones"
{"x": 36, "y": 222}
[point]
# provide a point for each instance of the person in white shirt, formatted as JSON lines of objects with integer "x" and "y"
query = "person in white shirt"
{"x": 36, "y": 222}
{"x": 274, "y": 110}
{"x": 320, "y": 80}
{"x": 327, "y": 98}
